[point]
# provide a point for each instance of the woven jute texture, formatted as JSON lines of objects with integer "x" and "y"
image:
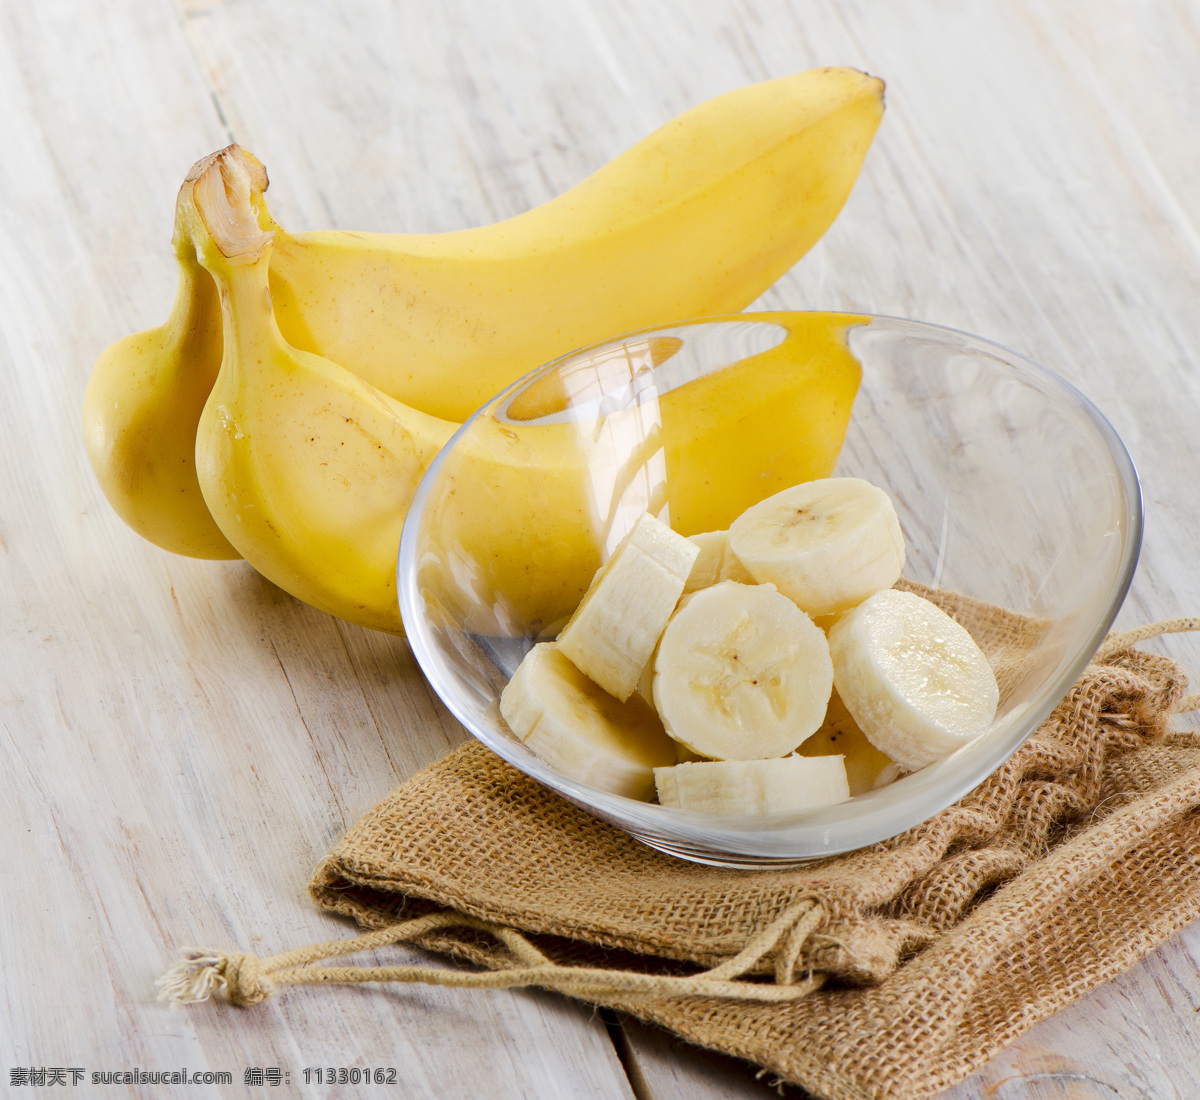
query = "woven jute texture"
{"x": 938, "y": 947}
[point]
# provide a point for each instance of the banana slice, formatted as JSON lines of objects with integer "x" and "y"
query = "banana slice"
{"x": 734, "y": 570}
{"x": 825, "y": 544}
{"x": 582, "y": 731}
{"x": 791, "y": 784}
{"x": 706, "y": 570}
{"x": 915, "y": 681}
{"x": 741, "y": 673}
{"x": 618, "y": 623}
{"x": 839, "y": 735}
{"x": 714, "y": 563}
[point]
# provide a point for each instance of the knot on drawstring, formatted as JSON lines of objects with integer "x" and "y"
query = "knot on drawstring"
{"x": 200, "y": 971}
{"x": 245, "y": 983}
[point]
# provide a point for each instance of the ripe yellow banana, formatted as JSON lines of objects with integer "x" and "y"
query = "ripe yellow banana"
{"x": 698, "y": 218}
{"x": 527, "y": 503}
{"x": 306, "y": 468}
{"x": 140, "y": 411}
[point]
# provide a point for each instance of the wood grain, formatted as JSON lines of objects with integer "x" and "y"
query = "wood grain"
{"x": 181, "y": 742}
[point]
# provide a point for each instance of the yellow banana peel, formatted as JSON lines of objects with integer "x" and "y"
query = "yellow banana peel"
{"x": 699, "y": 218}
{"x": 306, "y": 468}
{"x": 527, "y": 503}
{"x": 347, "y": 360}
{"x": 140, "y": 410}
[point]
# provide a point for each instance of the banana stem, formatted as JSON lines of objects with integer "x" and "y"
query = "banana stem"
{"x": 248, "y": 316}
{"x": 230, "y": 235}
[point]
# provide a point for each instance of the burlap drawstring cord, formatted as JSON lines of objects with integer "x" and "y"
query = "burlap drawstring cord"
{"x": 247, "y": 979}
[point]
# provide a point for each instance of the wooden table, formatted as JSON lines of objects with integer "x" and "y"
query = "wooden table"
{"x": 182, "y": 742}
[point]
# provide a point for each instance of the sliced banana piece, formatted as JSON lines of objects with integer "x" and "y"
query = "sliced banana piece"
{"x": 617, "y": 624}
{"x": 741, "y": 673}
{"x": 706, "y": 570}
{"x": 839, "y": 735}
{"x": 715, "y": 563}
{"x": 582, "y": 731}
{"x": 791, "y": 784}
{"x": 825, "y": 544}
{"x": 915, "y": 681}
{"x": 732, "y": 569}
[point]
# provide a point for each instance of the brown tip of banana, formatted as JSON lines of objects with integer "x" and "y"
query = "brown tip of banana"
{"x": 254, "y": 167}
{"x": 225, "y": 187}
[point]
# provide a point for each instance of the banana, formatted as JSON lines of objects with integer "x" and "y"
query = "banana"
{"x": 732, "y": 569}
{"x": 714, "y": 563}
{"x": 306, "y": 468}
{"x": 706, "y": 569}
{"x": 741, "y": 673}
{"x": 826, "y": 544}
{"x": 790, "y": 784}
{"x": 525, "y": 500}
{"x": 582, "y": 731}
{"x": 839, "y": 735}
{"x": 619, "y": 620}
{"x": 140, "y": 410}
{"x": 914, "y": 680}
{"x": 698, "y": 218}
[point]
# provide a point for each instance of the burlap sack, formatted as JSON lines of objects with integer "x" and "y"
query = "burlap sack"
{"x": 891, "y": 972}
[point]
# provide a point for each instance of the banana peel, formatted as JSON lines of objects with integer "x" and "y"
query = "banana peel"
{"x": 699, "y": 218}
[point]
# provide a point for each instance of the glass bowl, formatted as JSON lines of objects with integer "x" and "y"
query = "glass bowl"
{"x": 1014, "y": 493}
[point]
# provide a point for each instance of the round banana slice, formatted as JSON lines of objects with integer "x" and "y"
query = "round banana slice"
{"x": 617, "y": 624}
{"x": 791, "y": 784}
{"x": 741, "y": 673}
{"x": 839, "y": 735}
{"x": 825, "y": 544}
{"x": 582, "y": 731}
{"x": 914, "y": 680}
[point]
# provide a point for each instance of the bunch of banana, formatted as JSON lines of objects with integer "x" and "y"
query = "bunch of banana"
{"x": 290, "y": 423}
{"x": 739, "y": 674}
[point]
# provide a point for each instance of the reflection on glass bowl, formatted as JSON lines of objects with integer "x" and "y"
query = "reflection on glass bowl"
{"x": 1020, "y": 508}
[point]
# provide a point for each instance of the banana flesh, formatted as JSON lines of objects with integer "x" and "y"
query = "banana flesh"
{"x": 915, "y": 681}
{"x": 741, "y": 673}
{"x": 766, "y": 714}
{"x": 714, "y": 563}
{"x": 618, "y": 623}
{"x": 582, "y": 731}
{"x": 791, "y": 784}
{"x": 866, "y": 766}
{"x": 826, "y": 544}
{"x": 710, "y": 553}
